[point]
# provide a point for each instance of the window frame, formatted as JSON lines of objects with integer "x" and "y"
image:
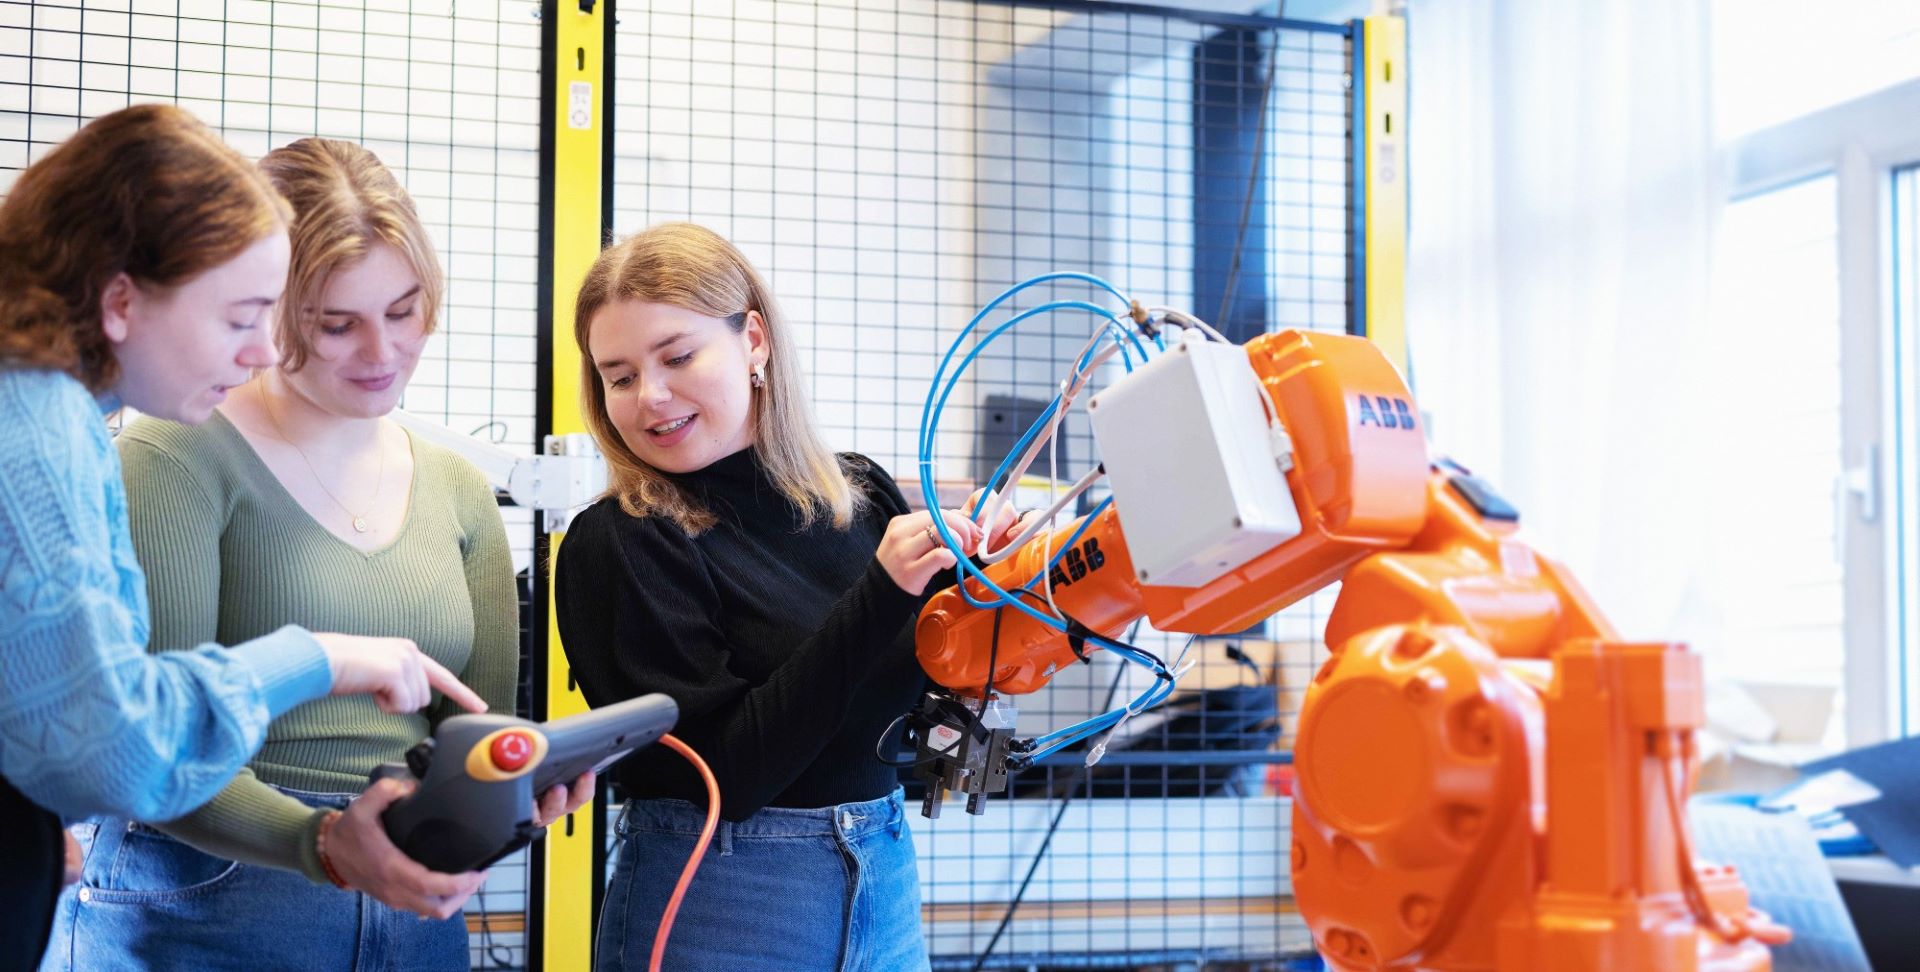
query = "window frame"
{"x": 1862, "y": 143}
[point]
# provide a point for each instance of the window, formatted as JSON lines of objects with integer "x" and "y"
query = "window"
{"x": 1814, "y": 107}
{"x": 1776, "y": 573}
{"x": 1904, "y": 445}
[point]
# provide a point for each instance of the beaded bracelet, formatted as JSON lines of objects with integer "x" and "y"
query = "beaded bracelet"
{"x": 320, "y": 850}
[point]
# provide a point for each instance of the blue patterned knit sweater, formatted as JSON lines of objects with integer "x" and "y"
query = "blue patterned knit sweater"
{"x": 89, "y": 722}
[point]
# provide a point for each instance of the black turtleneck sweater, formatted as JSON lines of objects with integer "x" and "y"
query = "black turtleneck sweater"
{"x": 788, "y": 648}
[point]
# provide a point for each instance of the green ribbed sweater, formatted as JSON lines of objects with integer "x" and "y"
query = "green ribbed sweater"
{"x": 229, "y": 556}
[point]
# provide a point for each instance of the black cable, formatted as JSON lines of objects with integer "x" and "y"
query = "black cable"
{"x": 1234, "y": 653}
{"x": 1136, "y": 649}
{"x": 1033, "y": 867}
{"x": 1047, "y": 841}
{"x": 977, "y": 718}
{"x": 1253, "y": 180}
{"x": 500, "y": 955}
{"x": 1160, "y": 664}
{"x": 881, "y": 755}
{"x": 993, "y": 662}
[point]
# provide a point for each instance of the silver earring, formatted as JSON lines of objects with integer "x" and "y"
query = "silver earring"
{"x": 759, "y": 377}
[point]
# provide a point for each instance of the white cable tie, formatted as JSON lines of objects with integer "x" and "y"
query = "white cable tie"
{"x": 1099, "y": 749}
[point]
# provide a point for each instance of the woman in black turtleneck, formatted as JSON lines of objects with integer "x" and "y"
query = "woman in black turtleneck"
{"x": 768, "y": 586}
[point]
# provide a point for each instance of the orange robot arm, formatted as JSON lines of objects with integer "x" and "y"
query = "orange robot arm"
{"x": 1488, "y": 777}
{"x": 1358, "y": 481}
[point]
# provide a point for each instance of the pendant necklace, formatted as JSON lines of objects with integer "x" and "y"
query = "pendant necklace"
{"x": 359, "y": 519}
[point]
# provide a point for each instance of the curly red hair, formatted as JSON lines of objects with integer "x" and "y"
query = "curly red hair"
{"x": 147, "y": 191}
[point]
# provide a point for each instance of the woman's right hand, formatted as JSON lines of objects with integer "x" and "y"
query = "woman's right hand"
{"x": 394, "y": 671}
{"x": 912, "y": 552}
{"x": 361, "y": 853}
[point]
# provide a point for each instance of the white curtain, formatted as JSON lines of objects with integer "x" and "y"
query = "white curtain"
{"x": 1563, "y": 195}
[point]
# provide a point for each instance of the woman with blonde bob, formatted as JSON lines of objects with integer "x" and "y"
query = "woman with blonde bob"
{"x": 139, "y": 261}
{"x": 335, "y": 516}
{"x": 768, "y": 586}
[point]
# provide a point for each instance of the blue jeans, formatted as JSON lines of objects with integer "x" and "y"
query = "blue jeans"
{"x": 148, "y": 901}
{"x": 828, "y": 890}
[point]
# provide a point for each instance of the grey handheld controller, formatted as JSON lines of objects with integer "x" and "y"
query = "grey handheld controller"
{"x": 478, "y": 775}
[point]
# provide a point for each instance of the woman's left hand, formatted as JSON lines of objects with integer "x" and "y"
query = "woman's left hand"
{"x": 1007, "y": 523}
{"x": 561, "y": 800}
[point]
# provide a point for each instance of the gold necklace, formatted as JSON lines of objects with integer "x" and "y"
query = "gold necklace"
{"x": 379, "y": 482}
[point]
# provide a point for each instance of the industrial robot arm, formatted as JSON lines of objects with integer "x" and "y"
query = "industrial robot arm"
{"x": 1488, "y": 776}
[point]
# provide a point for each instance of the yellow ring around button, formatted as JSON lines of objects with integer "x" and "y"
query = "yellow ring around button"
{"x": 480, "y": 757}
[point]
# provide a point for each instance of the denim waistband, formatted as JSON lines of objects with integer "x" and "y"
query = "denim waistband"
{"x": 312, "y": 798}
{"x": 337, "y": 801}
{"x": 844, "y": 820}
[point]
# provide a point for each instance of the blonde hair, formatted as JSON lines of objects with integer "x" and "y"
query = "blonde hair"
{"x": 344, "y": 203}
{"x": 693, "y": 268}
{"x": 147, "y": 191}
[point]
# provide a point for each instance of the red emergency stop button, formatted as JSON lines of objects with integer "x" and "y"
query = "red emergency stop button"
{"x": 511, "y": 750}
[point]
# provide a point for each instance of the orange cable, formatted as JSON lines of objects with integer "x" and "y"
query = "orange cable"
{"x": 1728, "y": 928}
{"x": 1731, "y": 929}
{"x": 699, "y": 849}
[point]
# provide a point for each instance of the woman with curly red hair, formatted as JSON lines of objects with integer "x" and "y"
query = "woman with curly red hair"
{"x": 139, "y": 263}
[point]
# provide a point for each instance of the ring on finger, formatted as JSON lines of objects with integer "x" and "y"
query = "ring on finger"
{"x": 931, "y": 535}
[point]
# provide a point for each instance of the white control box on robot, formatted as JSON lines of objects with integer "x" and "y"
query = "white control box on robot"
{"x": 1191, "y": 464}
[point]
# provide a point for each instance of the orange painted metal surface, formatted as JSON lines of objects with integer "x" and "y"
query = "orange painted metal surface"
{"x": 1360, "y": 489}
{"x": 1488, "y": 778}
{"x": 1538, "y": 821}
{"x": 1359, "y": 485}
{"x": 1410, "y": 832}
{"x": 955, "y": 640}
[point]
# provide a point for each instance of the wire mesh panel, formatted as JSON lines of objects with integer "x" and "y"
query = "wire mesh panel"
{"x": 446, "y": 94}
{"x": 892, "y": 166}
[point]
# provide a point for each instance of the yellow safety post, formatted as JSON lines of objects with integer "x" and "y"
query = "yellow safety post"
{"x": 576, "y": 69}
{"x": 1380, "y": 158}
